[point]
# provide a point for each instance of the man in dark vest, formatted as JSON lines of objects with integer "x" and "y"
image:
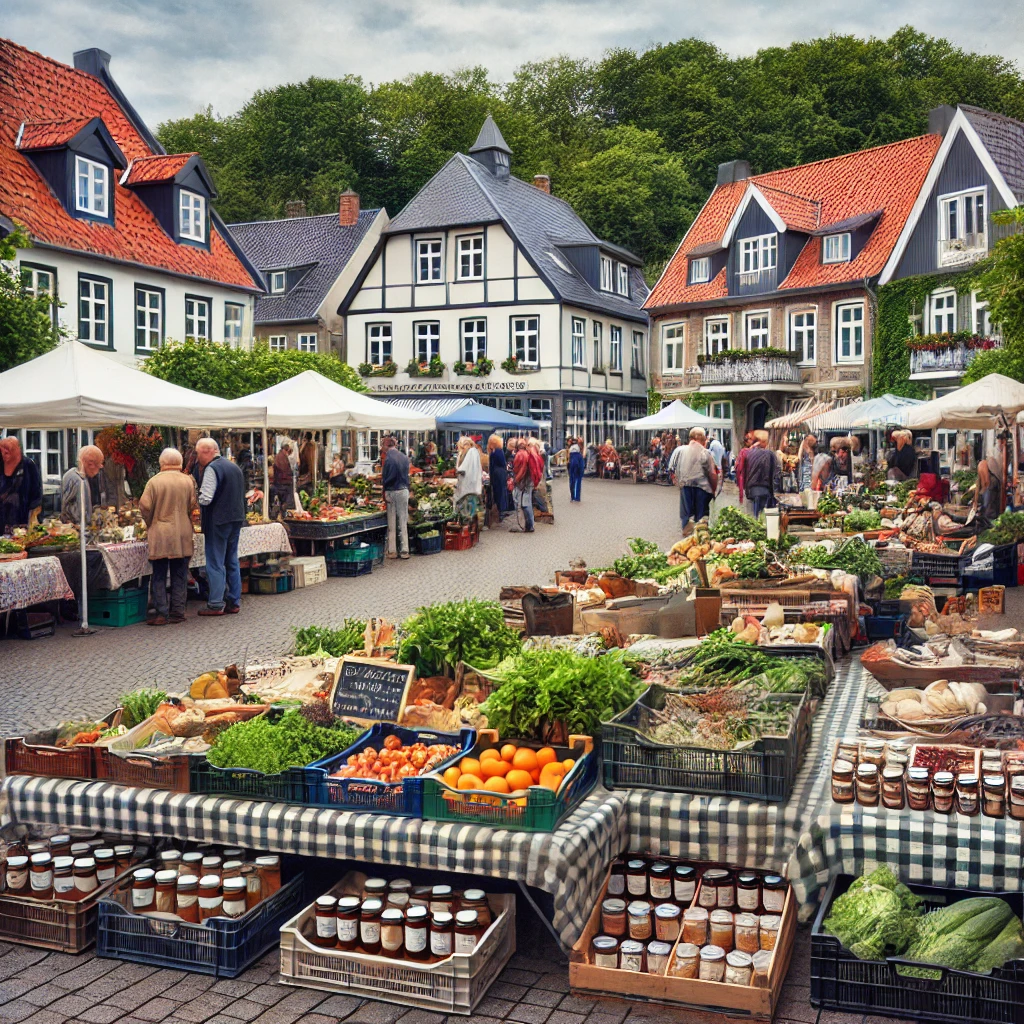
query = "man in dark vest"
{"x": 222, "y": 513}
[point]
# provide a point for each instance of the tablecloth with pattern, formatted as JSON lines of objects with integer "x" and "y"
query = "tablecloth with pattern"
{"x": 29, "y": 581}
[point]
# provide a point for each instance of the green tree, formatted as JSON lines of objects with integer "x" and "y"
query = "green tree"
{"x": 28, "y": 324}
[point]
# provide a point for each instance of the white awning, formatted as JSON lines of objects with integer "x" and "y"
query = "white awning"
{"x": 875, "y": 412}
{"x": 978, "y": 406}
{"x": 810, "y": 407}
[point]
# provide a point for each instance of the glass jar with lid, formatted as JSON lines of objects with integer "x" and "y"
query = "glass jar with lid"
{"x": 60, "y": 846}
{"x": 467, "y": 931}
{"x": 1016, "y": 801}
{"x": 892, "y": 788}
{"x": 774, "y": 890}
{"x": 347, "y": 914}
{"x": 476, "y": 899}
{"x": 166, "y": 891}
{"x": 657, "y": 956}
{"x": 269, "y": 868}
{"x": 748, "y": 891}
{"x": 842, "y": 782}
{"x": 187, "y": 898}
{"x": 872, "y": 751}
{"x": 746, "y": 931}
{"x": 143, "y": 889}
{"x": 392, "y": 933}
{"x": 211, "y": 897}
{"x": 761, "y": 963}
{"x": 667, "y": 918}
{"x": 400, "y": 885}
{"x": 993, "y": 801}
{"x": 738, "y": 968}
{"x": 919, "y": 789}
{"x": 848, "y": 749}
{"x": 769, "y": 925}
{"x": 375, "y": 889}
{"x": 616, "y": 885}
{"x": 16, "y": 876}
{"x": 417, "y": 933}
{"x": 686, "y": 961}
{"x": 442, "y": 934}
{"x": 85, "y": 877}
{"x": 442, "y": 901}
{"x": 41, "y": 875}
{"x": 369, "y": 925}
{"x": 897, "y": 754}
{"x": 725, "y": 889}
{"x": 659, "y": 881}
{"x": 604, "y": 951}
{"x": 943, "y": 792}
{"x": 636, "y": 877}
{"x": 712, "y": 964}
{"x": 684, "y": 884}
{"x": 631, "y": 956}
{"x": 720, "y": 929}
{"x": 326, "y": 914}
{"x": 968, "y": 796}
{"x": 63, "y": 878}
{"x": 640, "y": 927}
{"x": 695, "y": 925}
{"x": 106, "y": 865}
{"x": 613, "y": 918}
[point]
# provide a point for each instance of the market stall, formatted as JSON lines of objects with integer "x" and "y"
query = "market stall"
{"x": 30, "y": 581}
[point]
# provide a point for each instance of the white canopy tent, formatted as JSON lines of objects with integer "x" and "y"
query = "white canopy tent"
{"x": 675, "y": 416}
{"x": 874, "y": 412}
{"x": 983, "y": 405}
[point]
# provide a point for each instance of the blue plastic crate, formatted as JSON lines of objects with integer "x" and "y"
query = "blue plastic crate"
{"x": 428, "y": 545}
{"x": 221, "y": 946}
{"x": 1003, "y": 571}
{"x": 883, "y": 627}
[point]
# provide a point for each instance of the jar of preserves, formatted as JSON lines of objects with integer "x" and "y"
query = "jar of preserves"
{"x": 640, "y": 927}
{"x": 684, "y": 884}
{"x": 369, "y": 925}
{"x": 867, "y": 785}
{"x": 143, "y": 890}
{"x": 212, "y": 864}
{"x": 993, "y": 803}
{"x": 968, "y": 798}
{"x": 326, "y": 914}
{"x": 441, "y": 900}
{"x": 725, "y": 887}
{"x": 738, "y": 968}
{"x": 842, "y": 782}
{"x": 769, "y": 930}
{"x": 476, "y": 899}
{"x": 417, "y": 924}
{"x": 695, "y": 925}
{"x": 943, "y": 792}
{"x": 613, "y": 918}
{"x": 211, "y": 897}
{"x": 16, "y": 876}
{"x": 442, "y": 934}
{"x": 897, "y": 754}
{"x": 1016, "y": 804}
{"x": 631, "y": 956}
{"x": 233, "y": 853}
{"x": 667, "y": 919}
{"x": 686, "y": 961}
{"x": 60, "y": 846}
{"x": 347, "y": 916}
{"x": 269, "y": 869}
{"x": 231, "y": 869}
{"x": 419, "y": 896}
{"x": 400, "y": 885}
{"x": 919, "y": 789}
{"x": 84, "y": 869}
{"x": 720, "y": 929}
{"x": 872, "y": 752}
{"x": 187, "y": 898}
{"x": 746, "y": 932}
{"x": 375, "y": 889}
{"x": 604, "y": 951}
{"x": 78, "y": 850}
{"x": 748, "y": 891}
{"x": 253, "y": 891}
{"x": 397, "y": 901}
{"x": 191, "y": 862}
{"x": 892, "y": 788}
{"x": 657, "y": 956}
{"x": 170, "y": 860}
{"x": 848, "y": 749}
{"x": 166, "y": 891}
{"x": 774, "y": 890}
{"x": 760, "y": 963}
{"x": 63, "y": 877}
{"x": 234, "y": 897}
{"x": 659, "y": 881}
{"x": 636, "y": 877}
{"x": 392, "y": 933}
{"x": 467, "y": 931}
{"x": 712, "y": 964}
{"x": 106, "y": 865}
{"x": 616, "y": 885}
{"x": 41, "y": 876}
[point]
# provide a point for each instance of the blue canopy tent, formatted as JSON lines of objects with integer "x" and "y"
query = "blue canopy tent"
{"x": 474, "y": 417}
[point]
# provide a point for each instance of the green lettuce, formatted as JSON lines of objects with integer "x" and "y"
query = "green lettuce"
{"x": 876, "y": 917}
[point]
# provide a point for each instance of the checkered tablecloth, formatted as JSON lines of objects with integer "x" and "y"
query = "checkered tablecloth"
{"x": 30, "y": 581}
{"x": 130, "y": 559}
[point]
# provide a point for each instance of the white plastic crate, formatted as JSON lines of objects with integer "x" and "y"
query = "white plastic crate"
{"x": 454, "y": 985}
{"x": 309, "y": 570}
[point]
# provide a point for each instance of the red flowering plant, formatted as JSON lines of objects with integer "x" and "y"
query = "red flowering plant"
{"x": 951, "y": 339}
{"x": 134, "y": 446}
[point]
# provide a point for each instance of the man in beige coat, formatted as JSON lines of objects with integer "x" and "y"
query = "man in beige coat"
{"x": 166, "y": 506}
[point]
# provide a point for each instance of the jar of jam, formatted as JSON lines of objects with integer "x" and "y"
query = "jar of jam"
{"x": 169, "y": 860}
{"x": 640, "y": 927}
{"x": 63, "y": 877}
{"x": 892, "y": 788}
{"x": 41, "y": 875}
{"x": 392, "y": 933}
{"x": 60, "y": 846}
{"x": 400, "y": 885}
{"x": 842, "y": 782}
{"x": 166, "y": 899}
{"x": 211, "y": 897}
{"x": 233, "y": 853}
{"x": 369, "y": 925}
{"x": 212, "y": 864}
{"x": 657, "y": 956}
{"x": 467, "y": 931}
{"x": 667, "y": 921}
{"x": 769, "y": 930}
{"x": 993, "y": 803}
{"x": 867, "y": 785}
{"x": 738, "y": 968}
{"x": 16, "y": 877}
{"x": 419, "y": 896}
{"x": 636, "y": 877}
{"x": 397, "y": 901}
{"x": 191, "y": 862}
{"x": 686, "y": 961}
{"x": 659, "y": 881}
{"x": 719, "y": 881}
{"x": 1016, "y": 804}
{"x": 441, "y": 900}
{"x": 253, "y": 889}
{"x": 774, "y": 890}
{"x": 613, "y": 918}
{"x": 188, "y": 898}
{"x": 631, "y": 955}
{"x": 872, "y": 752}
{"x": 78, "y": 850}
{"x": 616, "y": 887}
{"x": 919, "y": 789}
{"x": 234, "y": 897}
{"x": 231, "y": 869}
{"x": 684, "y": 884}
{"x": 347, "y": 914}
{"x": 375, "y": 889}
{"x": 991, "y": 763}
{"x": 968, "y": 798}
{"x": 106, "y": 865}
{"x": 476, "y": 899}
{"x": 761, "y": 963}
{"x": 695, "y": 925}
{"x": 143, "y": 890}
{"x": 712, "y": 964}
{"x": 748, "y": 891}
{"x": 721, "y": 929}
{"x": 746, "y": 931}
{"x": 442, "y": 934}
{"x": 943, "y": 792}
{"x": 416, "y": 937}
{"x": 269, "y": 869}
{"x": 604, "y": 951}
{"x": 84, "y": 869}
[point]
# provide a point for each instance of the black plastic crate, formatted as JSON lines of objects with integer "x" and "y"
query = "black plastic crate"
{"x": 883, "y": 627}
{"x": 949, "y": 566}
{"x": 1003, "y": 571}
{"x": 349, "y": 568}
{"x": 428, "y": 545}
{"x": 839, "y": 981}
{"x": 766, "y": 771}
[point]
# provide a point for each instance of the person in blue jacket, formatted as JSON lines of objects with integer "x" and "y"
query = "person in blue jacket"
{"x": 498, "y": 471}
{"x": 576, "y": 464}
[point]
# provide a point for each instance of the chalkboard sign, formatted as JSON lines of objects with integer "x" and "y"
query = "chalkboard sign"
{"x": 370, "y": 690}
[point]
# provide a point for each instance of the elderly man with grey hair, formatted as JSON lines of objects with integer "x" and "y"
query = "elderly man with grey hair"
{"x": 166, "y": 505}
{"x": 97, "y": 489}
{"x": 222, "y": 511}
{"x": 693, "y": 470}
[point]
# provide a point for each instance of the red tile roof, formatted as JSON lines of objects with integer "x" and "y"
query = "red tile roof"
{"x": 33, "y": 89}
{"x": 148, "y": 170}
{"x": 44, "y": 134}
{"x": 886, "y": 178}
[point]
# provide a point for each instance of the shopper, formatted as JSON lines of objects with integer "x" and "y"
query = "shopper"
{"x": 717, "y": 450}
{"x": 395, "y": 481}
{"x": 762, "y": 474}
{"x": 498, "y": 470}
{"x": 902, "y": 460}
{"x": 21, "y": 487}
{"x": 97, "y": 490}
{"x": 244, "y": 462}
{"x": 222, "y": 512}
{"x": 283, "y": 486}
{"x": 842, "y": 460}
{"x": 522, "y": 485}
{"x": 741, "y": 464}
{"x": 167, "y": 505}
{"x": 576, "y": 464}
{"x": 307, "y": 461}
{"x": 692, "y": 469}
{"x": 989, "y": 491}
{"x": 609, "y": 464}
{"x": 805, "y": 462}
{"x": 469, "y": 478}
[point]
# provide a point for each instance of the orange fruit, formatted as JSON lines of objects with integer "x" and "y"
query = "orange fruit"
{"x": 551, "y": 775}
{"x": 545, "y": 756}
{"x": 467, "y": 781}
{"x": 495, "y": 767}
{"x": 508, "y": 752}
{"x": 489, "y": 755}
{"x": 496, "y": 784}
{"x": 518, "y": 779}
{"x": 451, "y": 775}
{"x": 526, "y": 759}
{"x": 535, "y": 775}
{"x": 568, "y": 763}
{"x": 471, "y": 766}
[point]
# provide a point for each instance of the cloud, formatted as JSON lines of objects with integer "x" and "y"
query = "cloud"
{"x": 174, "y": 57}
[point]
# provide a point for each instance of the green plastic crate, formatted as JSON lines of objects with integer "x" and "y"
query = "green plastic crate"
{"x": 122, "y": 607}
{"x": 358, "y": 554}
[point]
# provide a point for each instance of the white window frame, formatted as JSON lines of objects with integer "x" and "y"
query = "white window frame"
{"x": 197, "y": 318}
{"x": 278, "y": 282}
{"x": 838, "y": 310}
{"x": 429, "y": 260}
{"x": 673, "y": 348}
{"x": 761, "y": 252}
{"x": 526, "y": 340}
{"x": 151, "y": 330}
{"x": 579, "y": 343}
{"x": 379, "y": 344}
{"x": 942, "y": 311}
{"x": 637, "y": 351}
{"x": 979, "y": 306}
{"x": 700, "y": 269}
{"x": 426, "y": 336}
{"x": 278, "y": 342}
{"x": 597, "y": 335}
{"x": 233, "y": 325}
{"x": 716, "y": 341}
{"x": 965, "y": 227}
{"x": 615, "y": 349}
{"x": 307, "y": 343}
{"x": 836, "y": 248}
{"x": 30, "y": 281}
{"x": 96, "y": 198}
{"x": 473, "y": 339}
{"x": 607, "y": 270}
{"x": 762, "y": 332}
{"x": 192, "y": 215}
{"x": 94, "y": 307}
{"x": 804, "y": 331}
{"x": 471, "y": 258}
{"x": 720, "y": 410}
{"x": 622, "y": 279}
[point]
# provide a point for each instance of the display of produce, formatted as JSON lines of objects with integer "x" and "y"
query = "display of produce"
{"x": 46, "y": 536}
{"x": 138, "y": 705}
{"x": 858, "y": 520}
{"x": 394, "y": 761}
{"x": 333, "y": 643}
{"x": 877, "y": 916}
{"x": 1008, "y": 528}
{"x": 733, "y": 525}
{"x": 852, "y": 556}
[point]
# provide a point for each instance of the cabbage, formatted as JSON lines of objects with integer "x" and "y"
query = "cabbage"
{"x": 876, "y": 917}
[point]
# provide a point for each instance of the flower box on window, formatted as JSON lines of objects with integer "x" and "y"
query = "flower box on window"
{"x": 736, "y": 355}
{"x": 956, "y": 339}
{"x": 481, "y": 368}
{"x": 388, "y": 369}
{"x": 514, "y": 365}
{"x": 435, "y": 368}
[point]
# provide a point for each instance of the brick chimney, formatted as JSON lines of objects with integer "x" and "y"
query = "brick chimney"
{"x": 543, "y": 182}
{"x": 348, "y": 208}
{"x": 295, "y": 208}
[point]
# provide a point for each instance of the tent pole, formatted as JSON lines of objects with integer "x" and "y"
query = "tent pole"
{"x": 266, "y": 478}
{"x": 84, "y": 629}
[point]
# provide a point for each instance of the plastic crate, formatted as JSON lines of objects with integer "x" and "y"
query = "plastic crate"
{"x": 120, "y": 761}
{"x": 1003, "y": 571}
{"x": 766, "y": 771}
{"x": 221, "y": 946}
{"x": 271, "y": 581}
{"x": 895, "y": 561}
{"x": 123, "y": 607}
{"x": 404, "y": 798}
{"x": 460, "y": 538}
{"x": 36, "y": 754}
{"x": 839, "y": 981}
{"x": 949, "y": 566}
{"x": 883, "y": 627}
{"x": 357, "y": 553}
{"x": 349, "y": 568}
{"x": 543, "y": 810}
{"x": 428, "y": 545}
{"x": 454, "y": 985}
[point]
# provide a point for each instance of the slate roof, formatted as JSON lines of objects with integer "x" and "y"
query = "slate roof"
{"x": 1003, "y": 137}
{"x": 884, "y": 178}
{"x": 490, "y": 137}
{"x": 34, "y": 88}
{"x": 149, "y": 170}
{"x": 464, "y": 192}
{"x": 320, "y": 243}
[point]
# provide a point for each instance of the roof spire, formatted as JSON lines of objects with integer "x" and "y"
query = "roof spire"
{"x": 491, "y": 149}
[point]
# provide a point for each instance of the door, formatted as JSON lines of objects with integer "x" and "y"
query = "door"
{"x": 757, "y": 414}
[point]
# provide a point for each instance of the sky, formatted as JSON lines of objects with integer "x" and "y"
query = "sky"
{"x": 175, "y": 57}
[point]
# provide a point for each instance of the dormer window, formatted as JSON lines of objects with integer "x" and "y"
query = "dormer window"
{"x": 91, "y": 187}
{"x": 606, "y": 274}
{"x": 278, "y": 279}
{"x": 757, "y": 254}
{"x": 962, "y": 226}
{"x": 836, "y": 248}
{"x": 622, "y": 279}
{"x": 192, "y": 216}
{"x": 700, "y": 270}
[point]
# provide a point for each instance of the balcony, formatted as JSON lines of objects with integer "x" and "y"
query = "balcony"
{"x": 749, "y": 371}
{"x": 957, "y": 251}
{"x": 944, "y": 356}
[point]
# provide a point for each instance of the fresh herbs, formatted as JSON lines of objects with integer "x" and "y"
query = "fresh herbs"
{"x": 749, "y": 566}
{"x": 852, "y": 556}
{"x": 860, "y": 520}
{"x": 335, "y": 643}
{"x": 1007, "y": 529}
{"x": 137, "y": 706}
{"x": 647, "y": 561}
{"x": 828, "y": 504}
{"x": 9, "y": 547}
{"x": 723, "y": 719}
{"x": 737, "y": 525}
